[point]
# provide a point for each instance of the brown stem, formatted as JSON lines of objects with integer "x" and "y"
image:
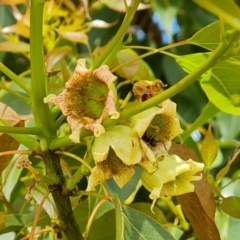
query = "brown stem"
{"x": 67, "y": 222}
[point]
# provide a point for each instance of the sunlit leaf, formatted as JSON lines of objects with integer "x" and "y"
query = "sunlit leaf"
{"x": 221, "y": 83}
{"x": 231, "y": 206}
{"x": 210, "y": 37}
{"x": 209, "y": 148}
{"x": 228, "y": 10}
{"x": 7, "y": 142}
{"x": 14, "y": 47}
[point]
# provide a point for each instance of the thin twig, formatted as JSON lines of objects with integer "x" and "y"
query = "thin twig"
{"x": 37, "y": 215}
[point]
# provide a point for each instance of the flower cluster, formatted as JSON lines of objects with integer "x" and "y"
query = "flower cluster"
{"x": 118, "y": 149}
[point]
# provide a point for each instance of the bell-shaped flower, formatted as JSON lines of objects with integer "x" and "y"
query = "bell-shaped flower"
{"x": 157, "y": 126}
{"x": 173, "y": 177}
{"x": 115, "y": 152}
{"x": 86, "y": 99}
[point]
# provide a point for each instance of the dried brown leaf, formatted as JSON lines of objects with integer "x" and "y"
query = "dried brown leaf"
{"x": 199, "y": 206}
{"x": 7, "y": 142}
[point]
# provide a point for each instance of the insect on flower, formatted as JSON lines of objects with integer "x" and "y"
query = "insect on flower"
{"x": 149, "y": 139}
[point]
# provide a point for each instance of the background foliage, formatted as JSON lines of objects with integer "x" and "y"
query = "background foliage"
{"x": 208, "y": 109}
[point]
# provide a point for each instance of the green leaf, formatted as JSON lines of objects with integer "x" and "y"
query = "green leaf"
{"x": 146, "y": 208}
{"x": 227, "y": 225}
{"x": 14, "y": 222}
{"x": 210, "y": 36}
{"x": 223, "y": 121}
{"x": 140, "y": 226}
{"x": 104, "y": 227}
{"x": 228, "y": 10}
{"x": 81, "y": 214}
{"x": 16, "y": 104}
{"x": 231, "y": 206}
{"x": 223, "y": 171}
{"x": 209, "y": 148}
{"x": 221, "y": 83}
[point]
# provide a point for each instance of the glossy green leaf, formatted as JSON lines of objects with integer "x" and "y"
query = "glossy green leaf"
{"x": 209, "y": 148}
{"x": 140, "y": 226}
{"x": 221, "y": 83}
{"x": 231, "y": 206}
{"x": 226, "y": 9}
